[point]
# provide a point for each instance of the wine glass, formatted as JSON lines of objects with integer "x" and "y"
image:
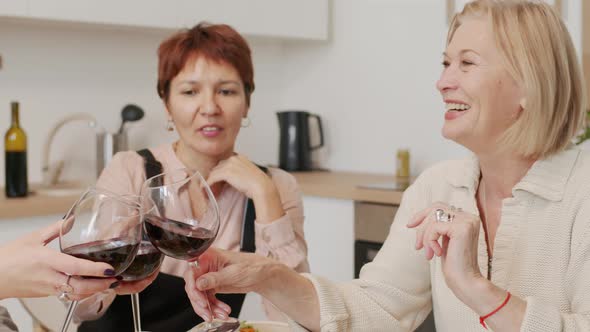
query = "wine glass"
{"x": 146, "y": 262}
{"x": 102, "y": 227}
{"x": 182, "y": 220}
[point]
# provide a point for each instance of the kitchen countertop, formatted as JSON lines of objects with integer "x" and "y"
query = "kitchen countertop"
{"x": 39, "y": 203}
{"x": 35, "y": 205}
{"x": 338, "y": 185}
{"x": 345, "y": 185}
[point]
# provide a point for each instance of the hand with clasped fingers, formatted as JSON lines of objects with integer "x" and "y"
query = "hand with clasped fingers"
{"x": 458, "y": 233}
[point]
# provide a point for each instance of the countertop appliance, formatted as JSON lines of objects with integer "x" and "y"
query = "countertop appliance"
{"x": 295, "y": 144}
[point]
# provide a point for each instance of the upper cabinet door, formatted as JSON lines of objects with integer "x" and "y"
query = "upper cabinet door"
{"x": 13, "y": 8}
{"x": 300, "y": 19}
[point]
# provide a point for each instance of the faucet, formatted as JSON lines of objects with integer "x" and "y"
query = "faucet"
{"x": 51, "y": 173}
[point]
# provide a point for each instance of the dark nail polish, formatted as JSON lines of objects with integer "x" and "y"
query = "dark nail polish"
{"x": 119, "y": 278}
{"x": 114, "y": 284}
{"x": 109, "y": 272}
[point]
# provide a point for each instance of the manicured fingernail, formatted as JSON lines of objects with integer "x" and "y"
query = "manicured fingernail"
{"x": 114, "y": 284}
{"x": 119, "y": 278}
{"x": 109, "y": 272}
{"x": 220, "y": 314}
{"x": 202, "y": 283}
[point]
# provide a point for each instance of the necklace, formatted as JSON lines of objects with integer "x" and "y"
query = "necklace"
{"x": 485, "y": 228}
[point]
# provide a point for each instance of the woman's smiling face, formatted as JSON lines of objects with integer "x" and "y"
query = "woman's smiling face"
{"x": 481, "y": 99}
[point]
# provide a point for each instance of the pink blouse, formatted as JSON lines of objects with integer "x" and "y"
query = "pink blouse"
{"x": 281, "y": 239}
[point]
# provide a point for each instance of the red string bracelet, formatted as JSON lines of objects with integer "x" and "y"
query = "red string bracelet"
{"x": 483, "y": 318}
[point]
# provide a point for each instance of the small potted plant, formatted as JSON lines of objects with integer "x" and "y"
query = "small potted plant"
{"x": 585, "y": 133}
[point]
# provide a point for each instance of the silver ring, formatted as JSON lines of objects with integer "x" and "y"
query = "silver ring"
{"x": 65, "y": 290}
{"x": 442, "y": 216}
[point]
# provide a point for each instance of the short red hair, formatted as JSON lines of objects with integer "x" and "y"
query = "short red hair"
{"x": 217, "y": 42}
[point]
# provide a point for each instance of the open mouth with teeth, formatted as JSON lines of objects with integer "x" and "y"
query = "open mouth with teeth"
{"x": 457, "y": 107}
{"x": 211, "y": 131}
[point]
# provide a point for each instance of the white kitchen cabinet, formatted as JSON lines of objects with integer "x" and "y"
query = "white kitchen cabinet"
{"x": 297, "y": 19}
{"x": 329, "y": 231}
{"x": 13, "y": 7}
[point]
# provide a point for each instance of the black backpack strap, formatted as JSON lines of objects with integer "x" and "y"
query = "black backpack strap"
{"x": 248, "y": 241}
{"x": 152, "y": 166}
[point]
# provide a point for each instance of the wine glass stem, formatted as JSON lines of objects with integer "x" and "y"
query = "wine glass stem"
{"x": 69, "y": 315}
{"x": 135, "y": 309}
{"x": 196, "y": 265}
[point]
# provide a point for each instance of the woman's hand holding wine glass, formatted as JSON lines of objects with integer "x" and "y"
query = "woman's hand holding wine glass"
{"x": 41, "y": 270}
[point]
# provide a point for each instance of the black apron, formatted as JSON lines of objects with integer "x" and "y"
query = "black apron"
{"x": 164, "y": 305}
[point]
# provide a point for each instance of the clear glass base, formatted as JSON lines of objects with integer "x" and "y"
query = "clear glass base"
{"x": 229, "y": 325}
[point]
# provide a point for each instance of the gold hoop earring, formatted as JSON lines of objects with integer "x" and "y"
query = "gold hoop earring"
{"x": 170, "y": 125}
{"x": 246, "y": 122}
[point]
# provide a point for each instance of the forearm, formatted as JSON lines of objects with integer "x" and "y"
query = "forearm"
{"x": 267, "y": 203}
{"x": 485, "y": 297}
{"x": 294, "y": 295}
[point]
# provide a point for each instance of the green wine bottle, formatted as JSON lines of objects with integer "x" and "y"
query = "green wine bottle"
{"x": 15, "y": 147}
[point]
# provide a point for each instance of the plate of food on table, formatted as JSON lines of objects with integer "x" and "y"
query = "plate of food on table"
{"x": 262, "y": 326}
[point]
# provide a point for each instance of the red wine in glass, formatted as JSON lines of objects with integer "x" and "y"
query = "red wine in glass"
{"x": 177, "y": 239}
{"x": 116, "y": 252}
{"x": 146, "y": 262}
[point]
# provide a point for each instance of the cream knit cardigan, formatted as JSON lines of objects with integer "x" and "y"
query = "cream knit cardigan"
{"x": 541, "y": 254}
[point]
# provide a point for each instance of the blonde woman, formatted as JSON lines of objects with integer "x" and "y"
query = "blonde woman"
{"x": 499, "y": 240}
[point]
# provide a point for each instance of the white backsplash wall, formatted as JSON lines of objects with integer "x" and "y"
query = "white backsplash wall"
{"x": 55, "y": 70}
{"x": 374, "y": 84}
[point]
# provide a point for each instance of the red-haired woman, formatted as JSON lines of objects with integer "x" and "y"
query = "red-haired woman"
{"x": 205, "y": 79}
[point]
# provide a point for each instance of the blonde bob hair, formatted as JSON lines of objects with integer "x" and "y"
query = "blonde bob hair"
{"x": 539, "y": 55}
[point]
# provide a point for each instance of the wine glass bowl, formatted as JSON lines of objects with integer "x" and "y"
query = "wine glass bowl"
{"x": 176, "y": 239}
{"x": 147, "y": 261}
{"x": 182, "y": 217}
{"x": 102, "y": 227}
